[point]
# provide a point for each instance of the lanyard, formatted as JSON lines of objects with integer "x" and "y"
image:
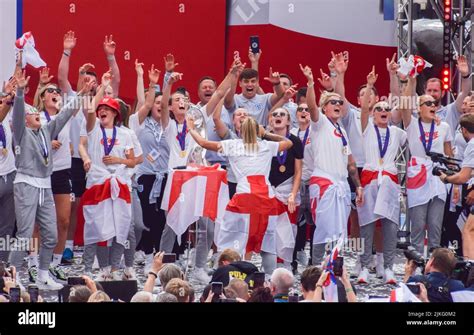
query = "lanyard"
{"x": 305, "y": 138}
{"x": 426, "y": 146}
{"x": 108, "y": 148}
{"x": 181, "y": 137}
{"x": 338, "y": 128}
{"x": 382, "y": 147}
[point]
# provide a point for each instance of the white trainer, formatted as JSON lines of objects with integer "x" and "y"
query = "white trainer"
{"x": 129, "y": 274}
{"x": 104, "y": 274}
{"x": 389, "y": 277}
{"x": 363, "y": 276}
{"x": 48, "y": 285}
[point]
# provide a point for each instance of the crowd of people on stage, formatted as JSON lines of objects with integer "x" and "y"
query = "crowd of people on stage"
{"x": 303, "y": 164}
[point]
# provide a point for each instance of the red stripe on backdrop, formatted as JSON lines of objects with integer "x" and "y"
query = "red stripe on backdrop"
{"x": 284, "y": 50}
{"x": 148, "y": 29}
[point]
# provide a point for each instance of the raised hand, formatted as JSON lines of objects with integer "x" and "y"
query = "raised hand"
{"x": 308, "y": 73}
{"x": 175, "y": 77}
{"x": 109, "y": 45}
{"x": 44, "y": 77}
{"x": 87, "y": 86}
{"x": 85, "y": 68}
{"x": 106, "y": 78}
{"x": 254, "y": 58}
{"x": 341, "y": 61}
{"x": 325, "y": 80}
{"x": 463, "y": 66}
{"x": 9, "y": 86}
{"x": 290, "y": 92}
{"x": 154, "y": 74}
{"x": 170, "y": 65}
{"x": 237, "y": 67}
{"x": 21, "y": 79}
{"x": 139, "y": 67}
{"x": 372, "y": 77}
{"x": 69, "y": 41}
{"x": 392, "y": 65}
{"x": 273, "y": 77}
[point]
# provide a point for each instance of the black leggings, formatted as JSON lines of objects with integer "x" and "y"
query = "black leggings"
{"x": 154, "y": 217}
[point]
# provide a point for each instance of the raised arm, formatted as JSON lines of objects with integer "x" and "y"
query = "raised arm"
{"x": 209, "y": 145}
{"x": 254, "y": 61}
{"x": 6, "y": 101}
{"x": 19, "y": 106}
{"x": 407, "y": 101}
{"x": 229, "y": 102}
{"x": 154, "y": 76}
{"x": 219, "y": 94}
{"x": 170, "y": 65}
{"x": 44, "y": 79}
{"x": 165, "y": 108}
{"x": 221, "y": 127}
{"x": 140, "y": 85}
{"x": 274, "y": 79}
{"x": 91, "y": 116}
{"x": 340, "y": 63}
{"x": 109, "y": 48}
{"x": 69, "y": 42}
{"x": 395, "y": 88}
{"x": 289, "y": 93}
{"x": 365, "y": 108}
{"x": 81, "y": 78}
{"x": 310, "y": 94}
{"x": 466, "y": 81}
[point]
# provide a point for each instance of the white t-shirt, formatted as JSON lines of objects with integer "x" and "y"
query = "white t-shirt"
{"x": 328, "y": 150}
{"x": 442, "y": 134}
{"x": 450, "y": 115}
{"x": 7, "y": 162}
{"x": 459, "y": 145}
{"x": 308, "y": 158}
{"x": 257, "y": 107}
{"x": 397, "y": 139}
{"x": 76, "y": 124}
{"x": 171, "y": 133}
{"x": 246, "y": 164}
{"x": 62, "y": 156}
{"x": 95, "y": 147}
{"x": 468, "y": 160}
{"x": 137, "y": 148}
{"x": 353, "y": 127}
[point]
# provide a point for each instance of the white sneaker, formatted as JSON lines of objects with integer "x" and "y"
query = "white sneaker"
{"x": 357, "y": 268}
{"x": 129, "y": 274}
{"x": 302, "y": 258}
{"x": 48, "y": 285}
{"x": 363, "y": 276}
{"x": 373, "y": 263}
{"x": 389, "y": 277}
{"x": 201, "y": 276}
{"x": 116, "y": 276}
{"x": 104, "y": 274}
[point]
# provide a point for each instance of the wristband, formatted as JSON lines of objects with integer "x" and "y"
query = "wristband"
{"x": 320, "y": 286}
{"x": 310, "y": 85}
{"x": 67, "y": 54}
{"x": 153, "y": 274}
{"x": 404, "y": 81}
{"x": 330, "y": 91}
{"x": 467, "y": 77}
{"x": 333, "y": 74}
{"x": 349, "y": 290}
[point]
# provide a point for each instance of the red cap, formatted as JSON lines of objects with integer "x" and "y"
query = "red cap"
{"x": 112, "y": 103}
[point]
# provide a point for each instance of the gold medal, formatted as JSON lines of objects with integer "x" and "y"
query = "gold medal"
{"x": 182, "y": 154}
{"x": 380, "y": 161}
{"x": 4, "y": 151}
{"x": 344, "y": 150}
{"x": 282, "y": 168}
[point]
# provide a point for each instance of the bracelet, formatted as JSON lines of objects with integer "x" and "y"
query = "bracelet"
{"x": 404, "y": 81}
{"x": 349, "y": 290}
{"x": 152, "y": 273}
{"x": 467, "y": 77}
{"x": 330, "y": 91}
{"x": 66, "y": 54}
{"x": 333, "y": 74}
{"x": 310, "y": 85}
{"x": 320, "y": 286}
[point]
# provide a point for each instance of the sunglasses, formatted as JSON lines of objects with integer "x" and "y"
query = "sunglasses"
{"x": 277, "y": 114}
{"x": 51, "y": 90}
{"x": 379, "y": 109}
{"x": 430, "y": 103}
{"x": 301, "y": 109}
{"x": 336, "y": 102}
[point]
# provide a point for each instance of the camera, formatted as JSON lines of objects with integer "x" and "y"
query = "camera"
{"x": 461, "y": 271}
{"x": 448, "y": 165}
{"x": 412, "y": 255}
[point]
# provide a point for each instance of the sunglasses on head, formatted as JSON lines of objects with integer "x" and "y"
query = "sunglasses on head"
{"x": 52, "y": 89}
{"x": 336, "y": 102}
{"x": 301, "y": 109}
{"x": 379, "y": 109}
{"x": 277, "y": 114}
{"x": 430, "y": 103}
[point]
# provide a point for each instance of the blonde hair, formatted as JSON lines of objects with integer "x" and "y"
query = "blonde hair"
{"x": 229, "y": 255}
{"x": 179, "y": 288}
{"x": 326, "y": 96}
{"x": 99, "y": 296}
{"x": 40, "y": 104}
{"x": 249, "y": 131}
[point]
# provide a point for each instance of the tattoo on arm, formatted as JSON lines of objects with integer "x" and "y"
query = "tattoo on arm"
{"x": 353, "y": 173}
